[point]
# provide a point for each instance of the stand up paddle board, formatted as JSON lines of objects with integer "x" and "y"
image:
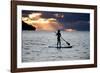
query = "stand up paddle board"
{"x": 60, "y": 47}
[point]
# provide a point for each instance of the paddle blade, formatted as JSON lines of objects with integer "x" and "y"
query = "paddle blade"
{"x": 68, "y": 43}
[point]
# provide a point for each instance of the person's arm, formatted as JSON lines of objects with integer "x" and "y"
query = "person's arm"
{"x": 56, "y": 33}
{"x": 60, "y": 34}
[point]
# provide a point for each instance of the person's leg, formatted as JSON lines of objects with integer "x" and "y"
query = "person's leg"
{"x": 57, "y": 44}
{"x": 60, "y": 44}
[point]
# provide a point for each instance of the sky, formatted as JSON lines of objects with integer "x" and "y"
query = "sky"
{"x": 51, "y": 21}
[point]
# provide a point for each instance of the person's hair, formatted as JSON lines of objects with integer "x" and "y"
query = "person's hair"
{"x": 58, "y": 30}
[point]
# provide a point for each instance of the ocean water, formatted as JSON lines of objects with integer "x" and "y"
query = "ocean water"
{"x": 35, "y": 46}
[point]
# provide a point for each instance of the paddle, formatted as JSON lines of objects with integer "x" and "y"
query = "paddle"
{"x": 65, "y": 41}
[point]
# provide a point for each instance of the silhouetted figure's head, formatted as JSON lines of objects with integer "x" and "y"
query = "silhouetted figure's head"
{"x": 58, "y": 31}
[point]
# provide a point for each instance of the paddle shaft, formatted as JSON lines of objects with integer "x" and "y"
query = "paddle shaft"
{"x": 65, "y": 41}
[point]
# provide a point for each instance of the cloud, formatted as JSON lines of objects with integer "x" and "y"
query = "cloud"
{"x": 59, "y": 15}
{"x": 35, "y": 15}
{"x": 70, "y": 30}
{"x": 48, "y": 24}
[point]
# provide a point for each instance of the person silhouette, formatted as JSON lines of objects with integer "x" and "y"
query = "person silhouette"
{"x": 58, "y": 39}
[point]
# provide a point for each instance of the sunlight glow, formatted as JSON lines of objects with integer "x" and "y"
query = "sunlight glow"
{"x": 48, "y": 24}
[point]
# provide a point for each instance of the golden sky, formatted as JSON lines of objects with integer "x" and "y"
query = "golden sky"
{"x": 49, "y": 24}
